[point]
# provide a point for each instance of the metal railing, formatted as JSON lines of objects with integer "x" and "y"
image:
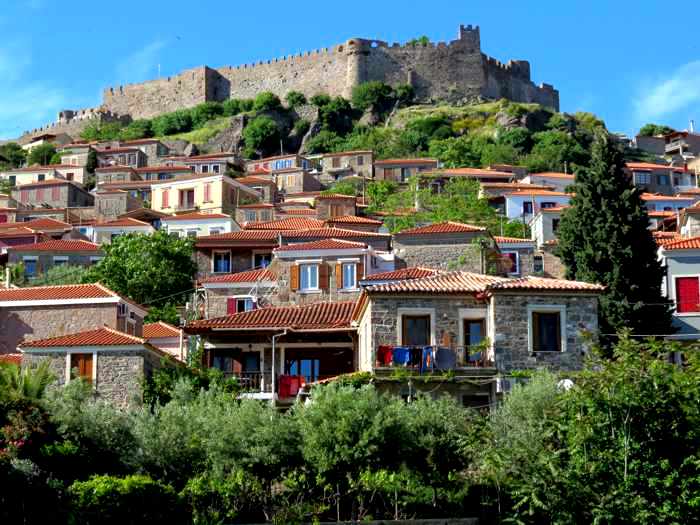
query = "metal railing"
{"x": 457, "y": 357}
{"x": 249, "y": 381}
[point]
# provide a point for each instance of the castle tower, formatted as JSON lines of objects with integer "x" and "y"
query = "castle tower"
{"x": 356, "y": 71}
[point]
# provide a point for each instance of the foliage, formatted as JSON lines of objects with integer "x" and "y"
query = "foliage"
{"x": 404, "y": 94}
{"x": 261, "y": 136}
{"x": 137, "y": 129}
{"x": 653, "y": 130}
{"x": 266, "y": 101}
{"x": 133, "y": 499}
{"x": 235, "y": 106}
{"x": 91, "y": 164}
{"x": 336, "y": 115}
{"x": 14, "y": 154}
{"x": 170, "y": 123}
{"x": 167, "y": 313}
{"x": 374, "y": 95}
{"x": 320, "y": 99}
{"x": 63, "y": 274}
{"x": 41, "y": 154}
{"x": 205, "y": 112}
{"x": 346, "y": 187}
{"x": 295, "y": 99}
{"x": 324, "y": 142}
{"x": 378, "y": 192}
{"x": 101, "y": 131}
{"x": 420, "y": 41}
{"x": 150, "y": 269}
{"x": 604, "y": 238}
{"x": 556, "y": 151}
{"x": 301, "y": 127}
{"x": 23, "y": 383}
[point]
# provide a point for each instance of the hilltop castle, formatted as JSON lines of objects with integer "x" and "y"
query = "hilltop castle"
{"x": 451, "y": 71}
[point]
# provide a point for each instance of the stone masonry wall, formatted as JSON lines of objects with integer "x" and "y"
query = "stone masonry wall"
{"x": 442, "y": 252}
{"x": 511, "y": 321}
{"x": 31, "y": 323}
{"x": 119, "y": 376}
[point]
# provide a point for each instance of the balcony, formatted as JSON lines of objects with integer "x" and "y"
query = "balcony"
{"x": 185, "y": 206}
{"x": 250, "y": 381}
{"x": 676, "y": 146}
{"x": 429, "y": 359}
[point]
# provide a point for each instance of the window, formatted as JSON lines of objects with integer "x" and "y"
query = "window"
{"x": 132, "y": 159}
{"x": 415, "y": 330}
{"x": 60, "y": 260}
{"x": 309, "y": 368}
{"x": 336, "y": 162}
{"x": 216, "y": 168}
{"x": 205, "y": 168}
{"x": 389, "y": 174}
{"x": 262, "y": 260}
{"x": 41, "y": 177}
{"x": 538, "y": 264}
{"x": 30, "y": 266}
{"x": 546, "y": 331}
{"x": 360, "y": 160}
{"x": 215, "y": 231}
{"x": 55, "y": 193}
{"x": 527, "y": 208}
{"x": 13, "y": 180}
{"x": 163, "y": 176}
{"x": 642, "y": 178}
{"x": 249, "y": 216}
{"x": 663, "y": 180}
{"x": 474, "y": 330}
{"x": 24, "y": 195}
{"x": 405, "y": 174}
{"x": 70, "y": 176}
{"x": 222, "y": 262}
{"x": 668, "y": 208}
{"x": 687, "y": 295}
{"x": 40, "y": 194}
{"x": 308, "y": 277}
{"x": 265, "y": 215}
{"x": 676, "y": 180}
{"x": 114, "y": 236}
{"x": 555, "y": 225}
{"x": 81, "y": 366}
{"x": 187, "y": 198}
{"x": 546, "y": 205}
{"x": 336, "y": 210}
{"x": 349, "y": 276}
{"x": 223, "y": 363}
{"x": 512, "y": 261}
{"x": 165, "y": 197}
{"x": 239, "y": 304}
{"x": 192, "y": 233}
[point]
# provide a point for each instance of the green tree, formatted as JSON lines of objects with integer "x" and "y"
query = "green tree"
{"x": 295, "y": 99}
{"x": 234, "y": 106}
{"x": 374, "y": 95}
{"x": 652, "y": 130}
{"x": 101, "y": 131}
{"x": 267, "y": 101}
{"x": 205, "y": 112}
{"x": 167, "y": 313}
{"x": 63, "y": 274}
{"x": 604, "y": 238}
{"x": 261, "y": 136}
{"x": 556, "y": 151}
{"x": 91, "y": 164}
{"x": 41, "y": 154}
{"x": 179, "y": 121}
{"x": 14, "y": 154}
{"x": 336, "y": 116}
{"x": 420, "y": 41}
{"x": 150, "y": 269}
{"x": 404, "y": 94}
{"x": 378, "y": 192}
{"x": 138, "y": 129}
{"x": 320, "y": 99}
{"x": 324, "y": 142}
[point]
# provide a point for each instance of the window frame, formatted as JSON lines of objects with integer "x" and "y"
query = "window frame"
{"x": 546, "y": 309}
{"x": 214, "y": 253}
{"x": 517, "y": 260}
{"x": 302, "y": 267}
{"x": 687, "y": 313}
{"x": 353, "y": 272}
{"x": 416, "y": 312}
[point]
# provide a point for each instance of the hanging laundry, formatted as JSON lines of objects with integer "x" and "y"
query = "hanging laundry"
{"x": 402, "y": 356}
{"x": 385, "y": 355}
{"x": 427, "y": 358}
{"x": 445, "y": 359}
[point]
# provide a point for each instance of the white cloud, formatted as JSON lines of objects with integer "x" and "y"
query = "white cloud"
{"x": 670, "y": 94}
{"x": 140, "y": 65}
{"x": 24, "y": 103}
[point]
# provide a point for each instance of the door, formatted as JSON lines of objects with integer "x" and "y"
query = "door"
{"x": 81, "y": 366}
{"x": 415, "y": 330}
{"x": 473, "y": 332}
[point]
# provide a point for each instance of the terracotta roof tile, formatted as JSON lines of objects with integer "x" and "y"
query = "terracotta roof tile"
{"x": 317, "y": 316}
{"x": 442, "y": 227}
{"x": 536, "y": 193}
{"x": 62, "y": 292}
{"x": 331, "y": 233}
{"x": 299, "y": 211}
{"x": 647, "y": 166}
{"x": 545, "y": 284}
{"x": 15, "y": 359}
{"x": 163, "y": 169}
{"x": 257, "y": 205}
{"x": 689, "y": 243}
{"x": 159, "y": 329}
{"x": 196, "y": 215}
{"x": 254, "y": 181}
{"x": 403, "y": 274}
{"x": 334, "y": 196}
{"x": 512, "y": 240}
{"x": 249, "y": 276}
{"x": 514, "y": 186}
{"x": 100, "y": 337}
{"x": 406, "y": 161}
{"x": 18, "y": 231}
{"x": 48, "y": 182}
{"x": 658, "y": 197}
{"x": 353, "y": 219}
{"x": 108, "y": 151}
{"x": 241, "y": 236}
{"x": 122, "y": 223}
{"x": 290, "y": 223}
{"x": 322, "y": 244}
{"x": 553, "y": 175}
{"x": 42, "y": 224}
{"x": 57, "y": 246}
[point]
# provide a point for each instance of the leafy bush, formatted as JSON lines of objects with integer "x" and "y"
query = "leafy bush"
{"x": 170, "y": 123}
{"x": 203, "y": 113}
{"x": 373, "y": 95}
{"x": 42, "y": 154}
{"x": 138, "y": 129}
{"x": 234, "y": 106}
{"x": 14, "y": 154}
{"x": 261, "y": 136}
{"x": 324, "y": 142}
{"x": 132, "y": 499}
{"x": 267, "y": 101}
{"x": 652, "y": 130}
{"x": 101, "y": 131}
{"x": 320, "y": 100}
{"x": 295, "y": 99}
{"x": 336, "y": 116}
{"x": 301, "y": 127}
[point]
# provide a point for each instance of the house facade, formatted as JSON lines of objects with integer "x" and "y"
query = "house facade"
{"x": 680, "y": 259}
{"x": 401, "y": 170}
{"x": 196, "y": 224}
{"x": 106, "y": 232}
{"x": 31, "y": 174}
{"x": 38, "y": 258}
{"x": 336, "y": 166}
{"x": 53, "y": 193}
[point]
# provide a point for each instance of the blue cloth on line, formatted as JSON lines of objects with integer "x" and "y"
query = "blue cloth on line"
{"x": 402, "y": 355}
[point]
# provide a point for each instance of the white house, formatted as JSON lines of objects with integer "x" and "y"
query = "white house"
{"x": 681, "y": 284}
{"x": 657, "y": 202}
{"x": 198, "y": 224}
{"x": 527, "y": 203}
{"x": 558, "y": 181}
{"x": 105, "y": 232}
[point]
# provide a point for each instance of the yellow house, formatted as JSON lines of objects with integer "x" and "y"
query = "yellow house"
{"x": 204, "y": 192}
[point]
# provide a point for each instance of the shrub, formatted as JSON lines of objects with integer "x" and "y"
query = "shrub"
{"x": 42, "y": 154}
{"x": 295, "y": 99}
{"x": 301, "y": 127}
{"x": 404, "y": 94}
{"x": 320, "y": 100}
{"x": 170, "y": 123}
{"x": 138, "y": 129}
{"x": 261, "y": 135}
{"x": 267, "y": 101}
{"x": 324, "y": 142}
{"x": 373, "y": 95}
{"x": 234, "y": 106}
{"x": 203, "y": 113}
{"x": 132, "y": 499}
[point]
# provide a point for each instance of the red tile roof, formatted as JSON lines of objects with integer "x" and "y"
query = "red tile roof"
{"x": 690, "y": 243}
{"x": 514, "y": 186}
{"x": 553, "y": 175}
{"x": 115, "y": 150}
{"x": 159, "y": 329}
{"x": 535, "y": 193}
{"x": 400, "y": 275}
{"x": 442, "y": 227}
{"x": 322, "y": 244}
{"x": 331, "y": 233}
{"x": 290, "y": 223}
{"x": 511, "y": 240}
{"x": 32, "y": 169}
{"x": 469, "y": 283}
{"x": 353, "y": 219}
{"x": 298, "y": 211}
{"x": 334, "y": 196}
{"x": 254, "y": 181}
{"x": 648, "y": 166}
{"x": 41, "y": 224}
{"x": 110, "y": 169}
{"x": 241, "y": 236}
{"x": 257, "y": 205}
{"x": 406, "y": 161}
{"x": 163, "y": 169}
{"x": 122, "y": 223}
{"x": 554, "y": 209}
{"x": 196, "y": 215}
{"x": 57, "y": 246}
{"x": 317, "y": 316}
{"x": 250, "y": 276}
{"x": 15, "y": 359}
{"x": 62, "y": 292}
{"x": 658, "y": 197}
{"x": 18, "y": 231}
{"x": 101, "y": 337}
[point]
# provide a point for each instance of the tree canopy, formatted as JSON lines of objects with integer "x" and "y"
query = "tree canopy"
{"x": 42, "y": 154}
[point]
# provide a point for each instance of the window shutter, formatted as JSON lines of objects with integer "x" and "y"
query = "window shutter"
{"x": 55, "y": 193}
{"x": 207, "y": 192}
{"x": 231, "y": 305}
{"x": 323, "y": 276}
{"x": 294, "y": 277}
{"x": 687, "y": 294}
{"x": 360, "y": 268}
{"x": 166, "y": 193}
{"x": 536, "y": 331}
{"x": 338, "y": 276}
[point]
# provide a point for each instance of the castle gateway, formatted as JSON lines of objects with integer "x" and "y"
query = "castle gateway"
{"x": 437, "y": 71}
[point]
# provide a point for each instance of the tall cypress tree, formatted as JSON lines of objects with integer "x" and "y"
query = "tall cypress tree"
{"x": 604, "y": 238}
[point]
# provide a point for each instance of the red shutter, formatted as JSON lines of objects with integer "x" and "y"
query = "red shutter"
{"x": 3, "y": 218}
{"x": 55, "y": 193}
{"x": 231, "y": 305}
{"x": 687, "y": 294}
{"x": 207, "y": 192}
{"x": 40, "y": 194}
{"x": 165, "y": 198}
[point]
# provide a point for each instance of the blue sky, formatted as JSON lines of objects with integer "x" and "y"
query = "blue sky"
{"x": 628, "y": 63}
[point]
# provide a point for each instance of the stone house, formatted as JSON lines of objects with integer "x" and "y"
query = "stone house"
{"x": 110, "y": 204}
{"x": 137, "y": 189}
{"x": 38, "y": 258}
{"x": 220, "y": 163}
{"x": 208, "y": 193}
{"x": 438, "y": 178}
{"x": 401, "y": 170}
{"x": 231, "y": 293}
{"x": 115, "y": 363}
{"x": 264, "y": 186}
{"x": 115, "y": 174}
{"x": 166, "y": 337}
{"x": 161, "y": 172}
{"x": 105, "y": 232}
{"x": 660, "y": 178}
{"x": 288, "y": 223}
{"x": 18, "y": 235}
{"x": 295, "y": 180}
{"x": 278, "y": 163}
{"x": 75, "y": 154}
{"x": 197, "y": 224}
{"x": 53, "y": 193}
{"x": 680, "y": 259}
{"x": 272, "y": 351}
{"x": 336, "y": 166}
{"x": 120, "y": 156}
{"x": 504, "y": 323}
{"x": 445, "y": 245}
{"x": 257, "y": 212}
{"x": 31, "y": 174}
{"x": 45, "y": 226}
{"x": 519, "y": 257}
{"x": 154, "y": 149}
{"x": 335, "y": 205}
{"x": 28, "y": 314}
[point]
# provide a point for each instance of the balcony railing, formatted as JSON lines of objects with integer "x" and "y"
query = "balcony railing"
{"x": 185, "y": 206}
{"x": 676, "y": 145}
{"x": 427, "y": 358}
{"x": 249, "y": 381}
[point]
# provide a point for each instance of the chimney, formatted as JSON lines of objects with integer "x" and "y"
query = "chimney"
{"x": 691, "y": 128}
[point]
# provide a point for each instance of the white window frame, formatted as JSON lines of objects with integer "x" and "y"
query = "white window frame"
{"x": 675, "y": 297}
{"x": 400, "y": 312}
{"x": 213, "y": 260}
{"x": 94, "y": 366}
{"x": 260, "y": 252}
{"x": 517, "y": 261}
{"x": 471, "y": 314}
{"x": 356, "y": 277}
{"x": 544, "y": 309}
{"x": 243, "y": 297}
{"x": 58, "y": 260}
{"x": 303, "y": 265}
